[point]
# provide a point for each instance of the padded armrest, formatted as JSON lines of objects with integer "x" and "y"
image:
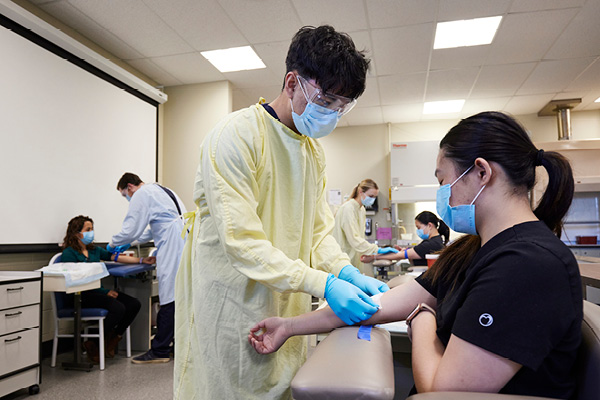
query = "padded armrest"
{"x": 472, "y": 396}
{"x": 345, "y": 367}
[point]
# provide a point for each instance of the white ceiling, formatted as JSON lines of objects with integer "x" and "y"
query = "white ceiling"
{"x": 544, "y": 49}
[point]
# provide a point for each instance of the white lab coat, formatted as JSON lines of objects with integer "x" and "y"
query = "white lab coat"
{"x": 151, "y": 205}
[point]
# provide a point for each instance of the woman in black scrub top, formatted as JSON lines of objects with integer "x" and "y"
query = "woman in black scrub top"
{"x": 431, "y": 230}
{"x": 501, "y": 309}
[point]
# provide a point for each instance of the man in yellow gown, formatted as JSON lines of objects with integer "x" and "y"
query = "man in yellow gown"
{"x": 260, "y": 244}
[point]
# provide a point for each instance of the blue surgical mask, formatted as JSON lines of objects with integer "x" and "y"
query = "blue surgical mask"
{"x": 368, "y": 201}
{"x": 460, "y": 218}
{"x": 128, "y": 197}
{"x": 316, "y": 121}
{"x": 422, "y": 235}
{"x": 88, "y": 237}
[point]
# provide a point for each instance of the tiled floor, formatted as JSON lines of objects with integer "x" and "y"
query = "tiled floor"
{"x": 120, "y": 380}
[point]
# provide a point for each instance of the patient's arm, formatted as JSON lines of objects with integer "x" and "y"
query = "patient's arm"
{"x": 396, "y": 304}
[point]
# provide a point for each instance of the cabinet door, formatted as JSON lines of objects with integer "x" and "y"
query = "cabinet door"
{"x": 17, "y": 319}
{"x": 19, "y": 294}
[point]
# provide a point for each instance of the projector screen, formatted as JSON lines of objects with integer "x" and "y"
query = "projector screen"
{"x": 67, "y": 137}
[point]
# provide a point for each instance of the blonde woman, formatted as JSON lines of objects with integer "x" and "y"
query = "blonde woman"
{"x": 349, "y": 230}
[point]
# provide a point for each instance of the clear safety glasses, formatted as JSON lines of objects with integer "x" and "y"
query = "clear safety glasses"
{"x": 333, "y": 102}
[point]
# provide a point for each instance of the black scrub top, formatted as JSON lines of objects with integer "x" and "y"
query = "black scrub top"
{"x": 520, "y": 298}
{"x": 427, "y": 246}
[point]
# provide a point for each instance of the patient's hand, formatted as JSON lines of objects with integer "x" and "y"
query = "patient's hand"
{"x": 276, "y": 332}
{"x": 149, "y": 260}
{"x": 367, "y": 259}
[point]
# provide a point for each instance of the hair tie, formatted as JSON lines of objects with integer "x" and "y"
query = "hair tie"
{"x": 539, "y": 157}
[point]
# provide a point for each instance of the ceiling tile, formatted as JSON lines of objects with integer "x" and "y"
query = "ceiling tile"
{"x": 501, "y": 80}
{"x": 263, "y": 21}
{"x": 522, "y": 105}
{"x": 370, "y": 97}
{"x": 539, "y": 5}
{"x": 197, "y": 21}
{"x": 475, "y": 106}
{"x": 365, "y": 116}
{"x": 402, "y": 113}
{"x": 527, "y": 37}
{"x": 553, "y": 76}
{"x": 189, "y": 68}
{"x": 396, "y": 89}
{"x": 452, "y": 10}
{"x": 451, "y": 84}
{"x": 136, "y": 24}
{"x": 582, "y": 37}
{"x": 273, "y": 55}
{"x": 394, "y": 13}
{"x": 64, "y": 11}
{"x": 589, "y": 79}
{"x": 344, "y": 15}
{"x": 154, "y": 72}
{"x": 253, "y": 78}
{"x": 402, "y": 50}
{"x": 473, "y": 56}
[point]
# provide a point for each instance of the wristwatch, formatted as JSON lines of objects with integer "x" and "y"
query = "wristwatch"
{"x": 420, "y": 307}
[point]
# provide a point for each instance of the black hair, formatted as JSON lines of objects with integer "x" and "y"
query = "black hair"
{"x": 330, "y": 58}
{"x": 128, "y": 178}
{"x": 426, "y": 217}
{"x": 499, "y": 138}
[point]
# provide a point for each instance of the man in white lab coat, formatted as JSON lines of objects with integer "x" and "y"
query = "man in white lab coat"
{"x": 161, "y": 208}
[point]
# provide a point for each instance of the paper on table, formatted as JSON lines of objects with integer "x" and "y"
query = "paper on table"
{"x": 76, "y": 273}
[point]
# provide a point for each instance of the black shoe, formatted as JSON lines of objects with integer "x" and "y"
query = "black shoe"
{"x": 149, "y": 358}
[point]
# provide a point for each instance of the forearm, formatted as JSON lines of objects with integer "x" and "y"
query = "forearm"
{"x": 128, "y": 259}
{"x": 427, "y": 351}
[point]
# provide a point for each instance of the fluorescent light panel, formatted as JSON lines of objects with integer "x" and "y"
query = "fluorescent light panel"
{"x": 597, "y": 100}
{"x": 467, "y": 32}
{"x": 443, "y": 107}
{"x": 234, "y": 59}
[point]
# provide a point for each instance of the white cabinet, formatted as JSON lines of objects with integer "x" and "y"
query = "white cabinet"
{"x": 412, "y": 171}
{"x": 20, "y": 337}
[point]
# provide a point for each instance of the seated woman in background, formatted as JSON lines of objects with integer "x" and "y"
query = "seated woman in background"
{"x": 430, "y": 229}
{"x": 122, "y": 309}
{"x": 501, "y": 309}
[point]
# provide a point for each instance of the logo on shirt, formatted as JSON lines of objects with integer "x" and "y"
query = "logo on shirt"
{"x": 486, "y": 319}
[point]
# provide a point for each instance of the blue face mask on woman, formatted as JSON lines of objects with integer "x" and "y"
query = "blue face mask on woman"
{"x": 422, "y": 235}
{"x": 316, "y": 121}
{"x": 88, "y": 237}
{"x": 368, "y": 201}
{"x": 460, "y": 218}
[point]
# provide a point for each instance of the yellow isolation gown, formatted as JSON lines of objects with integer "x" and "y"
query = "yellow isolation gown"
{"x": 349, "y": 232}
{"x": 260, "y": 246}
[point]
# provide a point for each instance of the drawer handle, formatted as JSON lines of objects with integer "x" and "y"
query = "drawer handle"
{"x": 13, "y": 314}
{"x": 12, "y": 340}
{"x": 11, "y": 289}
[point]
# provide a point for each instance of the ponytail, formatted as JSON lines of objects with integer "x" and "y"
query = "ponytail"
{"x": 444, "y": 231}
{"x": 559, "y": 193}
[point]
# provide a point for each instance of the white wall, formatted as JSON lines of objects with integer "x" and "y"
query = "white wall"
{"x": 357, "y": 153}
{"x": 189, "y": 115}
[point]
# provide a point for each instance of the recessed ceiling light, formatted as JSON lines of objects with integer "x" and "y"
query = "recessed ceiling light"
{"x": 597, "y": 100}
{"x": 443, "y": 107}
{"x": 466, "y": 32}
{"x": 234, "y": 59}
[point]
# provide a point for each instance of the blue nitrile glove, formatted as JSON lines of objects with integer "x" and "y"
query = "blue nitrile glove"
{"x": 117, "y": 249}
{"x": 370, "y": 286}
{"x": 348, "y": 302}
{"x": 386, "y": 250}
